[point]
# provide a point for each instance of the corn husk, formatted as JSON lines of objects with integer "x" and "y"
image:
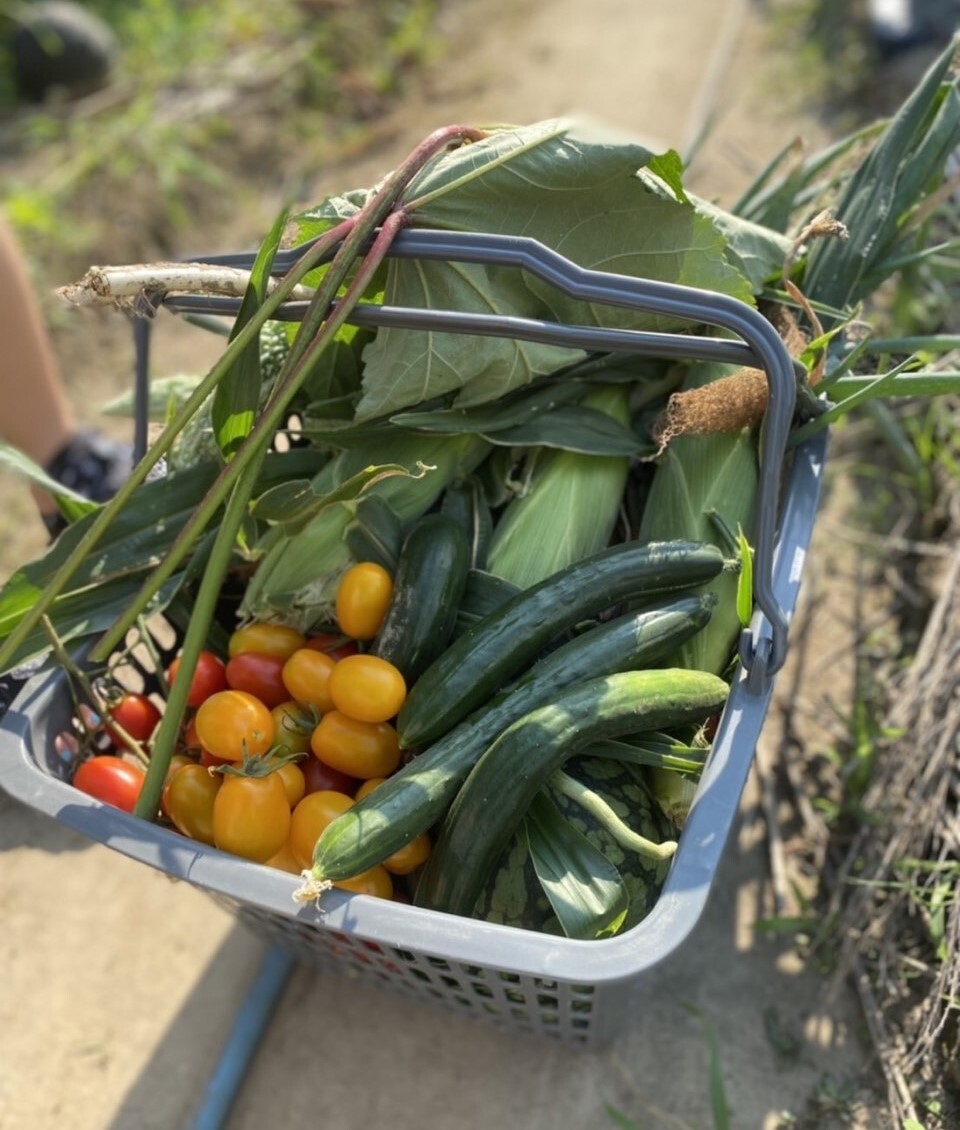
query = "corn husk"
{"x": 568, "y": 511}
{"x": 700, "y": 483}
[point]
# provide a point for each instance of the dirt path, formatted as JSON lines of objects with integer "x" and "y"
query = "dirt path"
{"x": 119, "y": 985}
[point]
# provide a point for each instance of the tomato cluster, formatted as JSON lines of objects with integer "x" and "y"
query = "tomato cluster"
{"x": 281, "y": 736}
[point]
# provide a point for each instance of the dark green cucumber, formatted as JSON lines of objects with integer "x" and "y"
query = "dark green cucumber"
{"x": 508, "y": 640}
{"x": 417, "y": 796}
{"x": 491, "y": 802}
{"x": 427, "y": 588}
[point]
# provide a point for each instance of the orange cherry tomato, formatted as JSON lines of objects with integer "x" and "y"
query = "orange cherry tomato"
{"x": 188, "y": 799}
{"x": 292, "y": 777}
{"x": 375, "y": 882}
{"x": 306, "y": 674}
{"x": 284, "y": 861}
{"x": 251, "y": 816}
{"x": 269, "y": 639}
{"x": 363, "y": 597}
{"x": 367, "y": 688}
{"x": 367, "y": 787}
{"x": 233, "y": 723}
{"x": 359, "y": 749}
{"x": 410, "y": 856}
{"x": 309, "y": 819}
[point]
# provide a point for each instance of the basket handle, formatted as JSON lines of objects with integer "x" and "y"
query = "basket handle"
{"x": 763, "y": 644}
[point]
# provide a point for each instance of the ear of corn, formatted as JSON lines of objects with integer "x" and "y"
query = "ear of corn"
{"x": 701, "y": 481}
{"x": 570, "y": 508}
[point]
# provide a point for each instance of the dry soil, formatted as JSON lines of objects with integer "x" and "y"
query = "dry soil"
{"x": 119, "y": 985}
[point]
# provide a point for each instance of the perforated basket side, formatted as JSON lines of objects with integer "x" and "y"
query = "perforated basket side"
{"x": 575, "y": 991}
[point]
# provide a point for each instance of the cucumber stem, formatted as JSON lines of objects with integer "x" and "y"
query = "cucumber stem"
{"x": 592, "y": 802}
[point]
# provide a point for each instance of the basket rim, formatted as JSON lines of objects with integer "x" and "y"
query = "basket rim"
{"x": 443, "y": 936}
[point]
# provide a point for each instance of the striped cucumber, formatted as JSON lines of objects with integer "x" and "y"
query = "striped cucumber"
{"x": 417, "y": 796}
{"x": 427, "y": 588}
{"x": 480, "y": 661}
{"x": 491, "y": 802}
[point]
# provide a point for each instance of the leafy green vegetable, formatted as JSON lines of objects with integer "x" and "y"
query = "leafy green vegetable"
{"x": 579, "y": 192}
{"x": 584, "y": 888}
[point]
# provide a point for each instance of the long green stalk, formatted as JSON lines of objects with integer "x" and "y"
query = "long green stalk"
{"x": 373, "y": 214}
{"x": 165, "y": 738}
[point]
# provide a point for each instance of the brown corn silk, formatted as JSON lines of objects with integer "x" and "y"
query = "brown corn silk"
{"x": 729, "y": 404}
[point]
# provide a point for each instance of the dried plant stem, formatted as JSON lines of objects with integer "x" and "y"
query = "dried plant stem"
{"x": 123, "y": 286}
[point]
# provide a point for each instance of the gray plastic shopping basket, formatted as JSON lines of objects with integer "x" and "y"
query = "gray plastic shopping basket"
{"x": 580, "y": 992}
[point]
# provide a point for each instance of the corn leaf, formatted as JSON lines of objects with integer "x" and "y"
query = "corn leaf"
{"x": 903, "y": 165}
{"x": 237, "y": 396}
{"x": 581, "y": 428}
{"x": 584, "y": 888}
{"x": 569, "y": 509}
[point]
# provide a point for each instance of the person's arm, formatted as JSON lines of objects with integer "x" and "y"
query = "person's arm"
{"x": 35, "y": 413}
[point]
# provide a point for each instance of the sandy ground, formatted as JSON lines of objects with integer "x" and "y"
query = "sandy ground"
{"x": 119, "y": 986}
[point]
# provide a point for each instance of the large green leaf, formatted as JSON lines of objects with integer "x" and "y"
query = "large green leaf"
{"x": 585, "y": 890}
{"x": 573, "y": 189}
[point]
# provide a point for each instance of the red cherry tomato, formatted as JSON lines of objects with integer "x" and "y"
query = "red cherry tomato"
{"x": 233, "y": 723}
{"x": 335, "y": 645}
{"x": 110, "y": 779}
{"x": 320, "y": 777}
{"x": 272, "y": 639}
{"x": 209, "y": 676}
{"x": 258, "y": 674}
{"x": 137, "y": 715}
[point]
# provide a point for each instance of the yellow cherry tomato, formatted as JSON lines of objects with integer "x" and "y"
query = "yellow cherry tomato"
{"x": 306, "y": 675}
{"x": 233, "y": 723}
{"x": 363, "y": 597}
{"x": 367, "y": 688}
{"x": 359, "y": 749}
{"x": 309, "y": 819}
{"x": 268, "y": 639}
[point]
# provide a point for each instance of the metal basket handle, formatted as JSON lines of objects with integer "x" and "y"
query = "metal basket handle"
{"x": 763, "y": 645}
